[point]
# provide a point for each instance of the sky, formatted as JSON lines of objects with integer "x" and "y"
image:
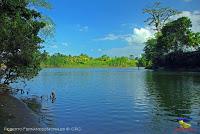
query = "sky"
{"x": 112, "y": 27}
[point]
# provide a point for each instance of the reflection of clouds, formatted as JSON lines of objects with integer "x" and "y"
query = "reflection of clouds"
{"x": 137, "y": 91}
{"x": 174, "y": 93}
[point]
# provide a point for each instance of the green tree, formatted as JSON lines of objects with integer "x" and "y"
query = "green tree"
{"x": 19, "y": 41}
{"x": 131, "y": 56}
{"x": 150, "y": 51}
{"x": 104, "y": 58}
{"x": 142, "y": 61}
{"x": 177, "y": 36}
{"x": 173, "y": 43}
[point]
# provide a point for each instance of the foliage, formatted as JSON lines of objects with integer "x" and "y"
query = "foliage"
{"x": 177, "y": 36}
{"x": 142, "y": 61}
{"x": 188, "y": 60}
{"x": 83, "y": 60}
{"x": 150, "y": 51}
{"x": 19, "y": 52}
{"x": 48, "y": 31}
{"x": 174, "y": 43}
{"x": 39, "y": 3}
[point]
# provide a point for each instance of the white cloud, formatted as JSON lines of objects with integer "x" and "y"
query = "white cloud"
{"x": 138, "y": 36}
{"x": 82, "y": 28}
{"x": 194, "y": 17}
{"x": 59, "y": 45}
{"x": 135, "y": 42}
{"x": 54, "y": 46}
{"x": 113, "y": 37}
{"x": 99, "y": 49}
{"x": 65, "y": 44}
{"x": 128, "y": 25}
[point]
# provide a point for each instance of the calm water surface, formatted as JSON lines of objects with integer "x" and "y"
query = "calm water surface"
{"x": 118, "y": 101}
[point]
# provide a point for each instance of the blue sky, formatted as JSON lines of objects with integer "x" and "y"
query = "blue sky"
{"x": 112, "y": 27}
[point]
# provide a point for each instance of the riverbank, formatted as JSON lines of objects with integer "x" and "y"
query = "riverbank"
{"x": 15, "y": 114}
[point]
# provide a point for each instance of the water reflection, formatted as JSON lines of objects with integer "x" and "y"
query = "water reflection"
{"x": 117, "y": 100}
{"x": 174, "y": 94}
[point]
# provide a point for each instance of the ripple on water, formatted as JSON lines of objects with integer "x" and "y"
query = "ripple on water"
{"x": 119, "y": 101}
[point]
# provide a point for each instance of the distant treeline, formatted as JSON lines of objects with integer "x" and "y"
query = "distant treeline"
{"x": 83, "y": 60}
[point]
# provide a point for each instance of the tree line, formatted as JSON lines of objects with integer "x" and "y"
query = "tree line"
{"x": 83, "y": 60}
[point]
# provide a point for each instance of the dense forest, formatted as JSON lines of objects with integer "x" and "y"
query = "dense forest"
{"x": 83, "y": 60}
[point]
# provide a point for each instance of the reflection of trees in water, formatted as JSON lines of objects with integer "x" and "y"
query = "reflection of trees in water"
{"x": 172, "y": 95}
{"x": 175, "y": 92}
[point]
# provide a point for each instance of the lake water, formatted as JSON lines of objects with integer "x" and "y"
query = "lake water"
{"x": 118, "y": 101}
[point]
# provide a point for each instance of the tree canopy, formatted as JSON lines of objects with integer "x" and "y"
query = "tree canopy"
{"x": 176, "y": 37}
{"x": 19, "y": 41}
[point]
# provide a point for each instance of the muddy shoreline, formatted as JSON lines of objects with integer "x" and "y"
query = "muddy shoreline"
{"x": 14, "y": 113}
